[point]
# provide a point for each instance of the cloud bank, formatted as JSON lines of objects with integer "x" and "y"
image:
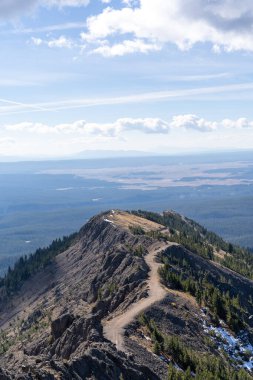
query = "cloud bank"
{"x": 145, "y": 125}
{"x": 225, "y": 24}
{"x": 142, "y": 125}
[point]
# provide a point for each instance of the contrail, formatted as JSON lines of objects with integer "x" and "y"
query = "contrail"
{"x": 157, "y": 96}
{"x": 23, "y": 104}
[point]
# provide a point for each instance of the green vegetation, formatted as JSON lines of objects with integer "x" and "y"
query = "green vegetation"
{"x": 26, "y": 266}
{"x": 21, "y": 335}
{"x": 193, "y": 244}
{"x": 202, "y": 242}
{"x": 240, "y": 261}
{"x": 215, "y": 293}
{"x": 108, "y": 289}
{"x": 137, "y": 230}
{"x": 137, "y": 250}
{"x": 157, "y": 235}
{"x": 193, "y": 365}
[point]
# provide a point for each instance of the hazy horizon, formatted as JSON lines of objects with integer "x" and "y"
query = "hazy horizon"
{"x": 114, "y": 154}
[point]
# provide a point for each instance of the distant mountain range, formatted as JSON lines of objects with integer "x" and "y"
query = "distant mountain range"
{"x": 86, "y": 154}
{"x": 111, "y": 154}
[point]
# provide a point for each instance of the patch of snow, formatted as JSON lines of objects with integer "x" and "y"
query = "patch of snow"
{"x": 28, "y": 241}
{"x": 230, "y": 340}
{"x": 164, "y": 359}
{"x": 237, "y": 347}
{"x": 248, "y": 365}
{"x": 108, "y": 221}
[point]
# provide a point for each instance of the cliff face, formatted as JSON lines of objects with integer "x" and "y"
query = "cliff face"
{"x": 54, "y": 326}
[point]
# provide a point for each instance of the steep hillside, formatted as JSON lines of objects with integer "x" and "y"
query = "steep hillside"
{"x": 131, "y": 296}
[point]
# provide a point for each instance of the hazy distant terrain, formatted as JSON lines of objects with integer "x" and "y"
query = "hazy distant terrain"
{"x": 40, "y": 201}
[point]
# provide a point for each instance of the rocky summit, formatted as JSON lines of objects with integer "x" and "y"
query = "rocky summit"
{"x": 132, "y": 295}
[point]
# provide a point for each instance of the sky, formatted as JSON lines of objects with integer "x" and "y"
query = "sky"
{"x": 157, "y": 76}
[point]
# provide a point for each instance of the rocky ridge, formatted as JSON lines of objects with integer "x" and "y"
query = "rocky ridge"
{"x": 52, "y": 328}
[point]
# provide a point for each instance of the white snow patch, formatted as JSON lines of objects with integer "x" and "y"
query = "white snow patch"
{"x": 108, "y": 221}
{"x": 237, "y": 347}
{"x": 248, "y": 365}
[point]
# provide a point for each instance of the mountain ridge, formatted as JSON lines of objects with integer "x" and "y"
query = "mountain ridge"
{"x": 52, "y": 323}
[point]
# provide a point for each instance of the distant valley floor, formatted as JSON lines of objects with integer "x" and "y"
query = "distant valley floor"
{"x": 40, "y": 201}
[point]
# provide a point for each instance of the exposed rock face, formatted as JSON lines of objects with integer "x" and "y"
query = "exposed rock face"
{"x": 60, "y": 325}
{"x": 65, "y": 303}
{"x": 4, "y": 375}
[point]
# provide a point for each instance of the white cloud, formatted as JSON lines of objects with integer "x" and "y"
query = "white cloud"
{"x": 149, "y": 126}
{"x": 193, "y": 122}
{"x": 240, "y": 123}
{"x": 37, "y": 41}
{"x": 144, "y": 125}
{"x": 131, "y": 3}
{"x": 180, "y": 133}
{"x": 225, "y": 24}
{"x": 126, "y": 47}
{"x": 60, "y": 42}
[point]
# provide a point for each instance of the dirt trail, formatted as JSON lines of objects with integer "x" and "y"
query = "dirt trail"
{"x": 114, "y": 328}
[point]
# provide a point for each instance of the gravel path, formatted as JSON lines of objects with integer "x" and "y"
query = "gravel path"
{"x": 114, "y": 328}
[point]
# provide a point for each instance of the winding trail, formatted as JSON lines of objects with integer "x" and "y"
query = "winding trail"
{"x": 114, "y": 329}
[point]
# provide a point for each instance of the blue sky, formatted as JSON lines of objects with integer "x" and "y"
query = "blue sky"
{"x": 159, "y": 76}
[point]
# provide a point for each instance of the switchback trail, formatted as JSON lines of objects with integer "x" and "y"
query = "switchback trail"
{"x": 114, "y": 328}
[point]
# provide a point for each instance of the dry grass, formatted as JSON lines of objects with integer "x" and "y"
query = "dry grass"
{"x": 221, "y": 254}
{"x": 183, "y": 295}
{"x": 126, "y": 220}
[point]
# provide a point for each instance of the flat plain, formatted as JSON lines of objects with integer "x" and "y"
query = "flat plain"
{"x": 41, "y": 201}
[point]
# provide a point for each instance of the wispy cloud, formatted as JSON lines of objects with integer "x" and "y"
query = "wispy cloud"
{"x": 17, "y": 83}
{"x": 18, "y": 107}
{"x": 198, "y": 77}
{"x": 50, "y": 28}
{"x": 65, "y": 3}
